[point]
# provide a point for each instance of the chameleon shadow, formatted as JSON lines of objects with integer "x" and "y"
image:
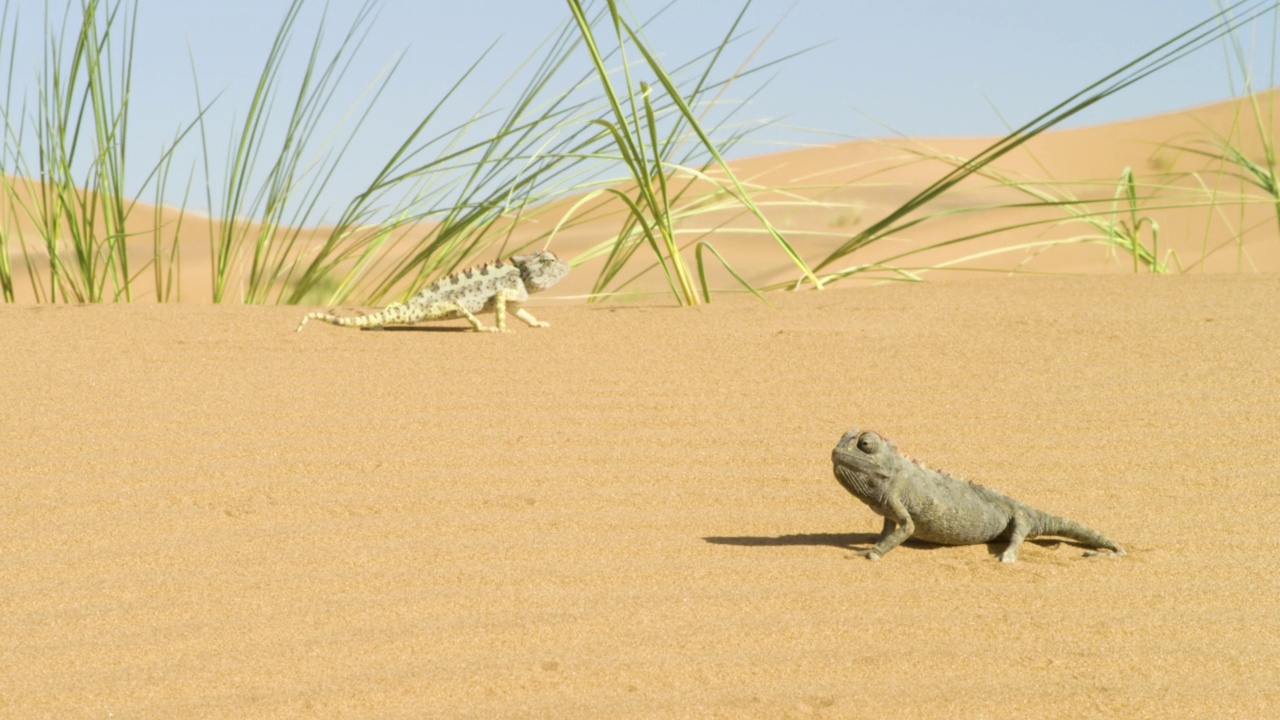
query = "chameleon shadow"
{"x": 844, "y": 541}
{"x": 418, "y": 328}
{"x": 852, "y": 541}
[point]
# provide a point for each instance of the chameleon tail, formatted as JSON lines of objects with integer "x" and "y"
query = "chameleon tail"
{"x": 390, "y": 315}
{"x": 1072, "y": 530}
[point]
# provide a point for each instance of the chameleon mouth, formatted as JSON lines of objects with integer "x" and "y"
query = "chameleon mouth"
{"x": 842, "y": 455}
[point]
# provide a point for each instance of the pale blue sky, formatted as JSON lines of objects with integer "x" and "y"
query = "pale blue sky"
{"x": 923, "y": 67}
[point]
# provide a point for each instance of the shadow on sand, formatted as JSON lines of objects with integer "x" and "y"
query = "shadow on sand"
{"x": 855, "y": 541}
{"x": 419, "y": 328}
{"x": 844, "y": 541}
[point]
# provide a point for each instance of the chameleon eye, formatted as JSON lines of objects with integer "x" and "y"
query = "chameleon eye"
{"x": 868, "y": 443}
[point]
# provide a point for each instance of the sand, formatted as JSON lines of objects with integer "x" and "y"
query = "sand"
{"x": 632, "y": 513}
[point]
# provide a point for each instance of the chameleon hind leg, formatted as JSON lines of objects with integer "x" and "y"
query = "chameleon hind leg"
{"x": 1021, "y": 527}
{"x": 529, "y": 319}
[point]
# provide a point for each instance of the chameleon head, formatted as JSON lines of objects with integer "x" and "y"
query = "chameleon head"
{"x": 540, "y": 270}
{"x": 863, "y": 461}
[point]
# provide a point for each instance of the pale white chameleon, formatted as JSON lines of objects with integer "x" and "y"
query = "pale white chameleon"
{"x": 464, "y": 294}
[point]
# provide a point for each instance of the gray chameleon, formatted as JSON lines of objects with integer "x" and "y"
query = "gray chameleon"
{"x": 464, "y": 294}
{"x": 916, "y": 501}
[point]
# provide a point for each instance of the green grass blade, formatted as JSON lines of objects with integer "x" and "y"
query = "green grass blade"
{"x": 702, "y": 274}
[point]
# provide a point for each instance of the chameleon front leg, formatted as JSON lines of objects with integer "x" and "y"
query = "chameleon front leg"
{"x": 500, "y": 310}
{"x": 890, "y": 536}
{"x": 885, "y": 530}
{"x": 500, "y": 302}
{"x": 529, "y": 319}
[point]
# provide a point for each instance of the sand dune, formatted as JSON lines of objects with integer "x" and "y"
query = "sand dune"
{"x": 821, "y": 196}
{"x": 1212, "y": 220}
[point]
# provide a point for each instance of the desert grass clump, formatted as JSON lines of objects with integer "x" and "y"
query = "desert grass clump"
{"x": 1119, "y": 228}
{"x": 440, "y": 200}
{"x": 550, "y": 145}
{"x": 265, "y": 213}
{"x": 646, "y": 145}
{"x": 1255, "y": 173}
{"x": 77, "y": 127}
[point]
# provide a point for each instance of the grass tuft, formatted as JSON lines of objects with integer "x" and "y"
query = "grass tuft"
{"x": 1224, "y": 23}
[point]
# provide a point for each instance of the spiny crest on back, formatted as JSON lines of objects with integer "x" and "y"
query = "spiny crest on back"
{"x": 461, "y": 277}
{"x": 919, "y": 463}
{"x": 891, "y": 451}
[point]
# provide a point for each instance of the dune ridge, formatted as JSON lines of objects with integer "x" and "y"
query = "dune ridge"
{"x": 843, "y": 187}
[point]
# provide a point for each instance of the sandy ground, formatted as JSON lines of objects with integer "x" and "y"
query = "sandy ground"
{"x": 632, "y": 513}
